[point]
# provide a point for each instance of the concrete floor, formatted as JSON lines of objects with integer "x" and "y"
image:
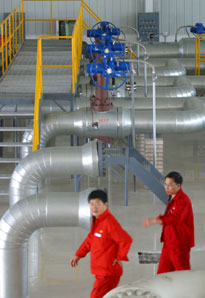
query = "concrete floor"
{"x": 51, "y": 249}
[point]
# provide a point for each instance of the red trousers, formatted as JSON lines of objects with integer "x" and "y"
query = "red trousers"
{"x": 173, "y": 260}
{"x": 104, "y": 284}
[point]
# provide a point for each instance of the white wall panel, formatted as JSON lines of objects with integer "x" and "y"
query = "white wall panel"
{"x": 176, "y": 13}
{"x": 173, "y": 13}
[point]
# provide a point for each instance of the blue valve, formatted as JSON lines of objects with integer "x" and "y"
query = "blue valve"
{"x": 108, "y": 59}
{"x": 198, "y": 29}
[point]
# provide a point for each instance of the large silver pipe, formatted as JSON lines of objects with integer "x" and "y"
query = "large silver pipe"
{"x": 49, "y": 126}
{"x": 48, "y": 162}
{"x": 116, "y": 123}
{"x": 181, "y": 88}
{"x": 184, "y": 48}
{"x": 178, "y": 284}
{"x": 169, "y": 67}
{"x": 24, "y": 218}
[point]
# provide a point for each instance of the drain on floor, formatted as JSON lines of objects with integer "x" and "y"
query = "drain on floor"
{"x": 149, "y": 257}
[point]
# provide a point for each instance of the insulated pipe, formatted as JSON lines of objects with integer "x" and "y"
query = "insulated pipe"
{"x": 169, "y": 67}
{"x": 181, "y": 88}
{"x": 47, "y": 125}
{"x": 24, "y": 218}
{"x": 184, "y": 48}
{"x": 178, "y": 284}
{"x": 51, "y": 162}
{"x": 116, "y": 123}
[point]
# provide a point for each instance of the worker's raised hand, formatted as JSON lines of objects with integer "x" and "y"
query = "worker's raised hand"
{"x": 151, "y": 221}
{"x": 148, "y": 222}
{"x": 74, "y": 261}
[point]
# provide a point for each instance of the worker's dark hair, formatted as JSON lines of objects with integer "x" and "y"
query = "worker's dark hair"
{"x": 98, "y": 194}
{"x": 176, "y": 177}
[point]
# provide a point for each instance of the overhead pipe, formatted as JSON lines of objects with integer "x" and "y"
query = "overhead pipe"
{"x": 178, "y": 284}
{"x": 116, "y": 123}
{"x": 48, "y": 162}
{"x": 169, "y": 67}
{"x": 184, "y": 48}
{"x": 24, "y": 218}
{"x": 182, "y": 27}
{"x": 125, "y": 103}
{"x": 181, "y": 88}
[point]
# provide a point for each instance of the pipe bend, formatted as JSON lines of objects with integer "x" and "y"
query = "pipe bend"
{"x": 48, "y": 162}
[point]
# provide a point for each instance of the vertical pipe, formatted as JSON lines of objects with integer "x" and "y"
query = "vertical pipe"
{"x": 126, "y": 181}
{"x": 145, "y": 80}
{"x": 133, "y": 107}
{"x": 138, "y": 58}
{"x": 154, "y": 119}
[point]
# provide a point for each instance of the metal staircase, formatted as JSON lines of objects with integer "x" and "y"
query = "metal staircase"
{"x": 131, "y": 160}
{"x": 11, "y": 143}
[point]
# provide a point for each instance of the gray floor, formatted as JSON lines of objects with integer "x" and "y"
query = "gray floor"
{"x": 50, "y": 249}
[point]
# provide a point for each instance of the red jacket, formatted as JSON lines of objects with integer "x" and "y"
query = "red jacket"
{"x": 178, "y": 223}
{"x": 106, "y": 242}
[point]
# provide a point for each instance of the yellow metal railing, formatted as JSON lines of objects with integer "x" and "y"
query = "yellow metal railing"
{"x": 77, "y": 38}
{"x": 10, "y": 31}
{"x": 51, "y": 19}
{"x": 198, "y": 56}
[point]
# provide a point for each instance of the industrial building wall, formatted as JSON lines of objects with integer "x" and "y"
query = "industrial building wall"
{"x": 173, "y": 13}
{"x": 176, "y": 13}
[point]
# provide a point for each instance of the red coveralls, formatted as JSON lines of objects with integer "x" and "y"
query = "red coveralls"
{"x": 177, "y": 234}
{"x": 106, "y": 242}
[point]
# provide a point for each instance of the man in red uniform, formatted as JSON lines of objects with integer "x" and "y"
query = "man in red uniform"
{"x": 107, "y": 243}
{"x": 178, "y": 227}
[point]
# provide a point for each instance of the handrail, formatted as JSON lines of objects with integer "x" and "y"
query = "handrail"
{"x": 38, "y": 94}
{"x": 90, "y": 11}
{"x": 198, "y": 56}
{"x": 9, "y": 25}
{"x": 77, "y": 38}
{"x": 9, "y": 31}
{"x": 51, "y": 19}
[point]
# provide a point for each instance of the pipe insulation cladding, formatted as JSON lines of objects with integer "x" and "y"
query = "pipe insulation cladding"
{"x": 117, "y": 122}
{"x": 50, "y": 162}
{"x": 27, "y": 216}
{"x": 178, "y": 284}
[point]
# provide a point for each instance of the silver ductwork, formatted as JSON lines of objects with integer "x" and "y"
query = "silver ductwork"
{"x": 116, "y": 123}
{"x": 184, "y": 48}
{"x": 169, "y": 67}
{"x": 49, "y": 162}
{"x": 56, "y": 123}
{"x": 24, "y": 218}
{"x": 178, "y": 284}
{"x": 181, "y": 88}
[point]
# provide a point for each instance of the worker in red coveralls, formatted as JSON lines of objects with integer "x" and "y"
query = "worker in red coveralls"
{"x": 178, "y": 227}
{"x": 107, "y": 243}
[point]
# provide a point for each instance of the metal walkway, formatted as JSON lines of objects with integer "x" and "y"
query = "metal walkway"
{"x": 18, "y": 83}
{"x": 17, "y": 87}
